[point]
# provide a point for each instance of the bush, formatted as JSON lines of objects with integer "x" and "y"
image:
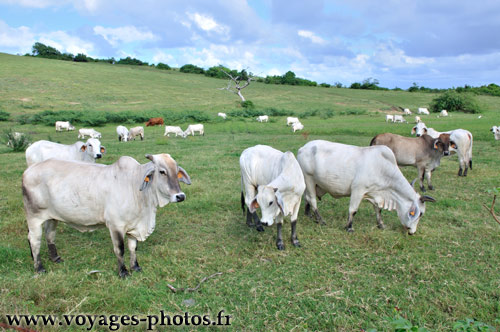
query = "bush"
{"x": 163, "y": 66}
{"x": 4, "y": 116}
{"x": 189, "y": 68}
{"x": 453, "y": 101}
{"x": 247, "y": 104}
{"x": 17, "y": 141}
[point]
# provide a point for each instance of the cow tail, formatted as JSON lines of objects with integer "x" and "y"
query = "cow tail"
{"x": 243, "y": 202}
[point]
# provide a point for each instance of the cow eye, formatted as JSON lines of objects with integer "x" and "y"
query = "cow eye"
{"x": 162, "y": 172}
{"x": 270, "y": 203}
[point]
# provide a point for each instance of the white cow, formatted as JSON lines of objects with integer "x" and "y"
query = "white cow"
{"x": 407, "y": 111}
{"x": 369, "y": 173}
{"x": 64, "y": 125}
{"x": 122, "y": 196}
{"x": 462, "y": 138}
{"x": 291, "y": 120}
{"x": 389, "y": 117}
{"x": 273, "y": 181}
{"x": 399, "y": 118}
{"x": 297, "y": 126}
{"x": 417, "y": 119}
{"x": 174, "y": 130}
{"x": 423, "y": 110}
{"x": 136, "y": 131}
{"x": 222, "y": 115}
{"x": 123, "y": 133}
{"x": 88, "y": 132}
{"x": 79, "y": 151}
{"x": 443, "y": 113}
{"x": 263, "y": 118}
{"x": 191, "y": 129}
{"x": 496, "y": 131}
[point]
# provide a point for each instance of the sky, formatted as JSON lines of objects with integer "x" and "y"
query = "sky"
{"x": 433, "y": 43}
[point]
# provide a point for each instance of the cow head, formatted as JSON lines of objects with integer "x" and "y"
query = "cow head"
{"x": 419, "y": 130}
{"x": 163, "y": 175}
{"x": 270, "y": 201}
{"x": 410, "y": 214}
{"x": 93, "y": 148}
{"x": 443, "y": 143}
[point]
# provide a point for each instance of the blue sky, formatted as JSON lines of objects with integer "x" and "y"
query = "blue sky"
{"x": 434, "y": 43}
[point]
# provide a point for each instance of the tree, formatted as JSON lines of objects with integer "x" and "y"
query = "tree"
{"x": 242, "y": 78}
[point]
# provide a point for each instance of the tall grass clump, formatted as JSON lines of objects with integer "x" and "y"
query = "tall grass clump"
{"x": 453, "y": 101}
{"x": 18, "y": 142}
{"x": 4, "y": 116}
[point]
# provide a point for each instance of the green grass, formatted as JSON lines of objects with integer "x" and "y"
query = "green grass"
{"x": 447, "y": 271}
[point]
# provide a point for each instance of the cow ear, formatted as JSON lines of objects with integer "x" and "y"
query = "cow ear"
{"x": 279, "y": 201}
{"x": 413, "y": 130}
{"x": 147, "y": 178}
{"x": 425, "y": 131}
{"x": 83, "y": 148}
{"x": 253, "y": 206}
{"x": 413, "y": 213}
{"x": 150, "y": 157}
{"x": 103, "y": 150}
{"x": 183, "y": 176}
{"x": 453, "y": 145}
{"x": 436, "y": 141}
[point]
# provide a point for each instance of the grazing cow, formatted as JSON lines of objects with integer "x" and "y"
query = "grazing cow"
{"x": 297, "y": 126}
{"x": 443, "y": 113}
{"x": 154, "y": 122}
{"x": 222, "y": 115}
{"x": 291, "y": 120}
{"x": 174, "y": 130}
{"x": 122, "y": 196}
{"x": 369, "y": 173}
{"x": 88, "y": 132}
{"x": 496, "y": 131}
{"x": 123, "y": 133}
{"x": 273, "y": 181}
{"x": 389, "y": 117}
{"x": 417, "y": 119}
{"x": 134, "y": 132}
{"x": 64, "y": 125}
{"x": 407, "y": 111}
{"x": 463, "y": 141}
{"x": 263, "y": 118}
{"x": 43, "y": 150}
{"x": 399, "y": 118}
{"x": 423, "y": 152}
{"x": 191, "y": 129}
{"x": 423, "y": 110}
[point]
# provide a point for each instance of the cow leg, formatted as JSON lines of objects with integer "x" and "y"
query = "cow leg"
{"x": 465, "y": 172}
{"x": 34, "y": 240}
{"x": 421, "y": 173}
{"x": 250, "y": 222}
{"x": 279, "y": 237}
{"x": 353, "y": 208}
{"x": 378, "y": 212}
{"x": 132, "y": 246}
{"x": 50, "y": 236}
{"x": 311, "y": 196}
{"x": 307, "y": 210}
{"x": 428, "y": 174}
{"x": 119, "y": 249}
{"x": 258, "y": 224}
{"x": 295, "y": 240}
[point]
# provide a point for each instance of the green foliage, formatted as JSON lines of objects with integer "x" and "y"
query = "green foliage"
{"x": 191, "y": 69}
{"x": 18, "y": 143}
{"x": 247, "y": 104}
{"x": 367, "y": 84}
{"x": 472, "y": 325}
{"x": 80, "y": 57}
{"x": 289, "y": 78}
{"x": 131, "y": 61}
{"x": 163, "y": 66}
{"x": 4, "y": 116}
{"x": 453, "y": 101}
{"x": 325, "y": 85}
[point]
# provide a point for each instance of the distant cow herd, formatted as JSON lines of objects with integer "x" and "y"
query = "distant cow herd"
{"x": 63, "y": 182}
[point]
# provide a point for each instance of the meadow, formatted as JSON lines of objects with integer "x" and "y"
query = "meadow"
{"x": 447, "y": 272}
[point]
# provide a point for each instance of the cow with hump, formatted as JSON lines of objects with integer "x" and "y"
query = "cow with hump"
{"x": 273, "y": 181}
{"x": 123, "y": 196}
{"x": 369, "y": 173}
{"x": 79, "y": 151}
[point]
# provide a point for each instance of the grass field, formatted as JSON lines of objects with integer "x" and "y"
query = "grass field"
{"x": 448, "y": 271}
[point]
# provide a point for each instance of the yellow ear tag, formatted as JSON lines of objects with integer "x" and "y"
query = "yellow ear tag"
{"x": 412, "y": 213}
{"x": 257, "y": 205}
{"x": 146, "y": 179}
{"x": 102, "y": 150}
{"x": 179, "y": 175}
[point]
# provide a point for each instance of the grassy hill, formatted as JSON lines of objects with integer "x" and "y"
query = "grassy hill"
{"x": 447, "y": 272}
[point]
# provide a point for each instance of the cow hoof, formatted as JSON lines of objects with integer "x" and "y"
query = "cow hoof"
{"x": 124, "y": 273}
{"x": 422, "y": 189}
{"x": 280, "y": 246}
{"x": 57, "y": 260}
{"x": 381, "y": 226}
{"x": 431, "y": 187}
{"x": 40, "y": 269}
{"x": 349, "y": 229}
{"x": 259, "y": 228}
{"x": 296, "y": 243}
{"x": 136, "y": 268}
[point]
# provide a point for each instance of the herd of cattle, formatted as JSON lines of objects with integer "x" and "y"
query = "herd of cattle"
{"x": 63, "y": 183}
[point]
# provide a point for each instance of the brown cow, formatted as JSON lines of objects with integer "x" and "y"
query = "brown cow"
{"x": 423, "y": 152}
{"x": 154, "y": 122}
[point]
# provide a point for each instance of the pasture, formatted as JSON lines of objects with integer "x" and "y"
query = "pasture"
{"x": 448, "y": 271}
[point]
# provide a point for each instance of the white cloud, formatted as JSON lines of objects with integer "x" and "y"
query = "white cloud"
{"x": 126, "y": 34}
{"x": 163, "y": 57}
{"x": 311, "y": 36}
{"x": 35, "y": 3}
{"x": 208, "y": 24}
{"x": 64, "y": 42}
{"x": 20, "y": 40}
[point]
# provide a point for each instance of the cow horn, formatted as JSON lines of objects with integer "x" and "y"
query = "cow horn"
{"x": 150, "y": 157}
{"x": 413, "y": 182}
{"x": 426, "y": 198}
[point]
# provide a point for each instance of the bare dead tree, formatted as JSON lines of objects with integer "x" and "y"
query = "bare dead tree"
{"x": 236, "y": 84}
{"x": 491, "y": 210}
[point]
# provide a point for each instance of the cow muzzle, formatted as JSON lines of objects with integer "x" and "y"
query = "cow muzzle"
{"x": 180, "y": 197}
{"x": 98, "y": 156}
{"x": 447, "y": 153}
{"x": 418, "y": 135}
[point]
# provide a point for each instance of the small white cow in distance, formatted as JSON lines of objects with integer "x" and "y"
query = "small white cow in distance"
{"x": 369, "y": 173}
{"x": 389, "y": 117}
{"x": 123, "y": 196}
{"x": 15, "y": 135}
{"x": 263, "y": 118}
{"x": 273, "y": 181}
{"x": 417, "y": 119}
{"x": 122, "y": 132}
{"x": 191, "y": 129}
{"x": 291, "y": 120}
{"x": 174, "y": 130}
{"x": 496, "y": 131}
{"x": 222, "y": 115}
{"x": 399, "y": 118}
{"x": 423, "y": 110}
{"x": 136, "y": 131}
{"x": 64, "y": 125}
{"x": 297, "y": 126}
{"x": 82, "y": 132}
{"x": 407, "y": 111}
{"x": 443, "y": 113}
{"x": 43, "y": 150}
{"x": 463, "y": 141}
